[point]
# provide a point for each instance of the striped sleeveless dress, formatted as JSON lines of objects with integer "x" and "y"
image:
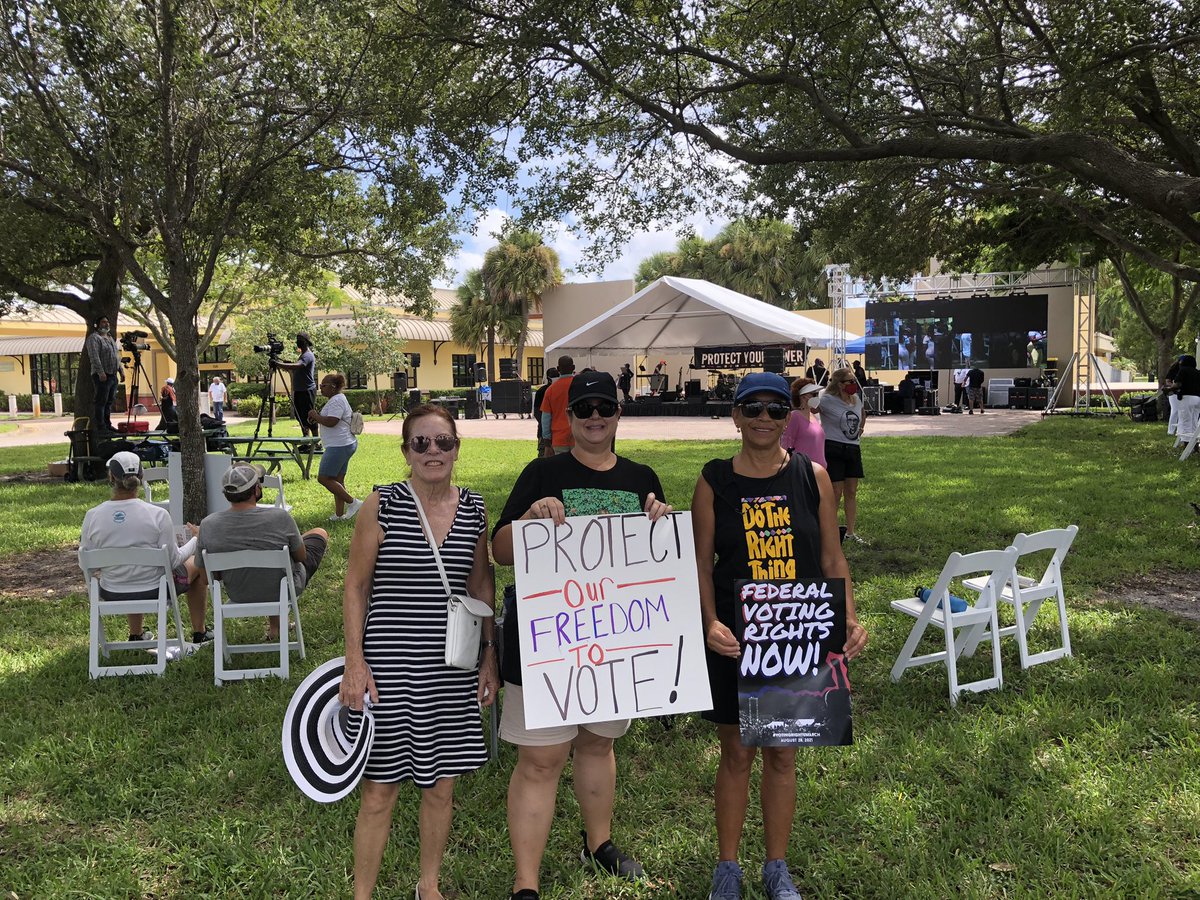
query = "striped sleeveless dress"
{"x": 427, "y": 721}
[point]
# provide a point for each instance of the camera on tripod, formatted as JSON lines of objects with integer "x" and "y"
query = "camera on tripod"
{"x": 134, "y": 341}
{"x": 273, "y": 347}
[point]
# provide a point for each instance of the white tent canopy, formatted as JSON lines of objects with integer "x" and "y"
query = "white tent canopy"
{"x": 675, "y": 315}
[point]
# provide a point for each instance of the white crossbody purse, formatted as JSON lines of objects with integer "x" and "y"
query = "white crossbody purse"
{"x": 464, "y": 615}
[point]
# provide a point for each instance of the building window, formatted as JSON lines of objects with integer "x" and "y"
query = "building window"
{"x": 463, "y": 367}
{"x": 537, "y": 369}
{"x": 215, "y": 353}
{"x": 53, "y": 373}
{"x": 356, "y": 380}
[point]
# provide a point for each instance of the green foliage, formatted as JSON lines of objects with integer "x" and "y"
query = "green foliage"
{"x": 1026, "y": 791}
{"x": 285, "y": 319}
{"x": 763, "y": 258}
{"x": 25, "y": 402}
{"x": 374, "y": 346}
{"x": 516, "y": 272}
{"x": 477, "y": 319}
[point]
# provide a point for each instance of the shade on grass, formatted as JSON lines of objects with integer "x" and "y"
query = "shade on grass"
{"x": 1080, "y": 778}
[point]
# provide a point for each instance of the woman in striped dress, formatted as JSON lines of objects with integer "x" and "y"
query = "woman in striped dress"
{"x": 427, "y": 724}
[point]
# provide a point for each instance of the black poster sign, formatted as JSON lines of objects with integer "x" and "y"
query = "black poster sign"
{"x": 793, "y": 687}
{"x": 745, "y": 357}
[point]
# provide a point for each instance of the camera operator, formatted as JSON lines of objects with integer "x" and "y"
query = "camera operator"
{"x": 167, "y": 402}
{"x": 105, "y": 357}
{"x": 304, "y": 383}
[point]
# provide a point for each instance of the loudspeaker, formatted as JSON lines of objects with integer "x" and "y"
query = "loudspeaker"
{"x": 773, "y": 360}
{"x": 1018, "y": 398}
{"x": 472, "y": 405}
{"x": 399, "y": 382}
{"x": 414, "y": 360}
{"x": 508, "y": 368}
{"x": 414, "y": 398}
{"x": 691, "y": 388}
{"x": 1023, "y": 382}
{"x": 480, "y": 375}
{"x": 512, "y": 397}
{"x": 1038, "y": 397}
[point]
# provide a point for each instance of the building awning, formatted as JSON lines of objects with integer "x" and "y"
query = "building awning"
{"x": 28, "y": 346}
{"x": 414, "y": 329}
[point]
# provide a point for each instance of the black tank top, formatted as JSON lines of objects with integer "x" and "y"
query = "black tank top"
{"x": 765, "y": 528}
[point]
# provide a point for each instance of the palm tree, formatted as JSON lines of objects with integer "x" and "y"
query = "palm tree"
{"x": 516, "y": 272}
{"x": 476, "y": 321}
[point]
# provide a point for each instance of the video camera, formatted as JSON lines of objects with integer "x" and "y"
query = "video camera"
{"x": 273, "y": 347}
{"x": 134, "y": 341}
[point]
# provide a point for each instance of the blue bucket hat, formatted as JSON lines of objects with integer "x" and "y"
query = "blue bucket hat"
{"x": 763, "y": 383}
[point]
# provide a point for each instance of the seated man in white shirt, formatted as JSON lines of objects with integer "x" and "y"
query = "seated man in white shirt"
{"x": 246, "y": 526}
{"x": 129, "y": 521}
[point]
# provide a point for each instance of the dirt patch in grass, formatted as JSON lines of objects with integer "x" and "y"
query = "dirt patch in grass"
{"x": 1173, "y": 592}
{"x": 48, "y": 574}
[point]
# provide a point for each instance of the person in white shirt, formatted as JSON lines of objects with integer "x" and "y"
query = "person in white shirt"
{"x": 129, "y": 521}
{"x": 960, "y": 385}
{"x": 339, "y": 442}
{"x": 216, "y": 393}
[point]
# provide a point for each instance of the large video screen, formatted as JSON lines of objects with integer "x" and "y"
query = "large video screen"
{"x": 988, "y": 332}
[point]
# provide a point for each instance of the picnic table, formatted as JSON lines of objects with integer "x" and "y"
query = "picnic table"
{"x": 274, "y": 451}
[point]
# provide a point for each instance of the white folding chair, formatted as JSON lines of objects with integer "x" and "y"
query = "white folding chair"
{"x": 275, "y": 482}
{"x": 156, "y": 476}
{"x": 978, "y": 620}
{"x": 1027, "y": 594}
{"x": 286, "y": 602}
{"x": 1187, "y": 430}
{"x": 92, "y": 561}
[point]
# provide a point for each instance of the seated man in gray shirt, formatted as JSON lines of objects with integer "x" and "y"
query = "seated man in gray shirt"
{"x": 244, "y": 526}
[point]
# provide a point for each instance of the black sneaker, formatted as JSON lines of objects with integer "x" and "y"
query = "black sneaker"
{"x": 525, "y": 894}
{"x": 147, "y": 636}
{"x": 612, "y": 860}
{"x": 202, "y": 637}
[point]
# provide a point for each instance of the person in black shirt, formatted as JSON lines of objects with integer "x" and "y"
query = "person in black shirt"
{"x": 1187, "y": 387}
{"x": 859, "y": 373}
{"x": 543, "y": 437}
{"x": 625, "y": 382}
{"x": 974, "y": 390}
{"x": 817, "y": 372}
{"x": 589, "y": 479}
{"x": 304, "y": 383}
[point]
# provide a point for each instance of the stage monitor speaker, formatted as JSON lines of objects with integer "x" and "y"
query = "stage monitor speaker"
{"x": 773, "y": 360}
{"x": 1038, "y": 397}
{"x": 414, "y": 360}
{"x": 508, "y": 368}
{"x": 1023, "y": 382}
{"x": 691, "y": 388}
{"x": 399, "y": 382}
{"x": 1018, "y": 398}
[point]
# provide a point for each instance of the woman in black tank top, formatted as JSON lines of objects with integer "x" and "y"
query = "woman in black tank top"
{"x": 791, "y": 534}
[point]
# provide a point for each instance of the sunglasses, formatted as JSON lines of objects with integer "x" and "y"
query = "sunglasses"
{"x": 752, "y": 409}
{"x": 583, "y": 409}
{"x": 421, "y": 444}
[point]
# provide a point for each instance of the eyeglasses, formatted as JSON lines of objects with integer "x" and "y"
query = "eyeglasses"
{"x": 421, "y": 444}
{"x": 752, "y": 409}
{"x": 583, "y": 409}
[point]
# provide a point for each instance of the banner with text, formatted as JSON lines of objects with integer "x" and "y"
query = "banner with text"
{"x": 744, "y": 357}
{"x": 608, "y": 609}
{"x": 793, "y": 687}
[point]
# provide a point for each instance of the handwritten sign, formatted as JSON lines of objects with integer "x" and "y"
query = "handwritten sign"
{"x": 609, "y": 617}
{"x": 793, "y": 687}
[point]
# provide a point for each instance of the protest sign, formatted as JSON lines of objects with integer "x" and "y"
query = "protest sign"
{"x": 608, "y": 613}
{"x": 793, "y": 687}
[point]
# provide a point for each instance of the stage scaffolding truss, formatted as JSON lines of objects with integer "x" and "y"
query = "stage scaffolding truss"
{"x": 1083, "y": 375}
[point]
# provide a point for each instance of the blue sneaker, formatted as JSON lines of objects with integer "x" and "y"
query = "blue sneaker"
{"x": 727, "y": 882}
{"x": 777, "y": 881}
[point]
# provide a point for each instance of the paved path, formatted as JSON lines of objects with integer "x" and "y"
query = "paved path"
{"x": 50, "y": 430}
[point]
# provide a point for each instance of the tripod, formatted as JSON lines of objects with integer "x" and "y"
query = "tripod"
{"x": 135, "y": 383}
{"x": 269, "y": 398}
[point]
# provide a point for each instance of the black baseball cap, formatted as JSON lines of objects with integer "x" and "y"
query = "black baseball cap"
{"x": 592, "y": 386}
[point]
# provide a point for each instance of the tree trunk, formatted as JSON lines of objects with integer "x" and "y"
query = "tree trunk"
{"x": 521, "y": 350}
{"x": 191, "y": 434}
{"x": 491, "y": 353}
{"x": 1166, "y": 354}
{"x": 105, "y": 301}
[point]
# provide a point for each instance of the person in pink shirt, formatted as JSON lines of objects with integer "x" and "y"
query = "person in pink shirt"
{"x": 804, "y": 432}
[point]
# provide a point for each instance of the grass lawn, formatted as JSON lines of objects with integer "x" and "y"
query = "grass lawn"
{"x": 1079, "y": 778}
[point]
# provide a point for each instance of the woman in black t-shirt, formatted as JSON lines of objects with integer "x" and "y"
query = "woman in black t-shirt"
{"x": 760, "y": 473}
{"x": 589, "y": 480}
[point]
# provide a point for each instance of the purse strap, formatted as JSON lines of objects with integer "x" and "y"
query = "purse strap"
{"x": 428, "y": 531}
